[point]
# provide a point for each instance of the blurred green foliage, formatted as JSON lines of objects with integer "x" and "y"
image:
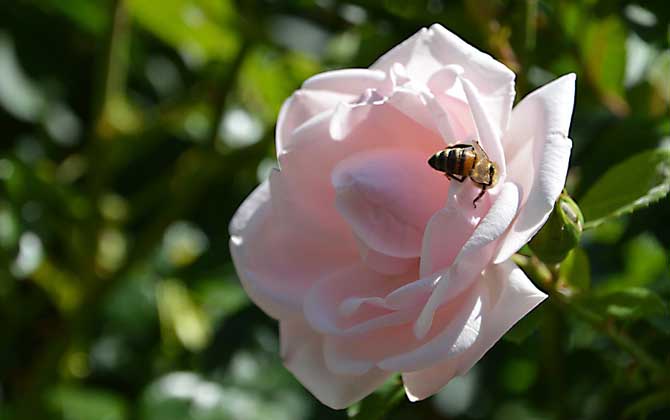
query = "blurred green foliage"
{"x": 133, "y": 129}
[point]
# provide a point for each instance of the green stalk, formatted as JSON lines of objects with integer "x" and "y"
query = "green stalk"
{"x": 546, "y": 279}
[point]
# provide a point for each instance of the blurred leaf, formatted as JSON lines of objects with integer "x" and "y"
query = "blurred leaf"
{"x": 518, "y": 410}
{"x": 662, "y": 324}
{"x": 119, "y": 116}
{"x": 659, "y": 75}
{"x": 268, "y": 78}
{"x": 518, "y": 375}
{"x": 92, "y": 16}
{"x": 378, "y": 404}
{"x": 18, "y": 93}
{"x": 606, "y": 233}
{"x": 130, "y": 307}
{"x": 575, "y": 271}
{"x": 74, "y": 403}
{"x": 167, "y": 398}
{"x": 604, "y": 51}
{"x": 199, "y": 29}
{"x": 646, "y": 405}
{"x": 635, "y": 183}
{"x": 639, "y": 53}
{"x": 457, "y": 398}
{"x": 645, "y": 260}
{"x": 181, "y": 316}
{"x": 188, "y": 395}
{"x": 183, "y": 243}
{"x": 9, "y": 225}
{"x": 572, "y": 17}
{"x": 631, "y": 303}
{"x": 221, "y": 297}
{"x": 63, "y": 288}
{"x": 526, "y": 326}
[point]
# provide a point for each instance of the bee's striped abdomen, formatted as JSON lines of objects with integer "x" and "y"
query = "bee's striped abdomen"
{"x": 460, "y": 161}
{"x": 452, "y": 160}
{"x": 468, "y": 162}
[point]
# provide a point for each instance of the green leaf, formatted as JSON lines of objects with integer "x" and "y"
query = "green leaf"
{"x": 645, "y": 261}
{"x": 518, "y": 375}
{"x": 633, "y": 184}
{"x": 629, "y": 304}
{"x": 20, "y": 96}
{"x": 92, "y": 16}
{"x": 267, "y": 78}
{"x": 76, "y": 403}
{"x": 221, "y": 296}
{"x": 606, "y": 233}
{"x": 525, "y": 327}
{"x": 181, "y": 317}
{"x": 199, "y": 29}
{"x": 377, "y": 405}
{"x": 603, "y": 49}
{"x": 658, "y": 75}
{"x": 575, "y": 272}
{"x": 643, "y": 407}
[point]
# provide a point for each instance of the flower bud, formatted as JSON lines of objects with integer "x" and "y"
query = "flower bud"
{"x": 561, "y": 233}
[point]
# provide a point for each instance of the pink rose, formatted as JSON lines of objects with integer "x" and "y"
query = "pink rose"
{"x": 372, "y": 261}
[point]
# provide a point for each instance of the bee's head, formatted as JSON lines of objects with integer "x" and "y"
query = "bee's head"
{"x": 494, "y": 174}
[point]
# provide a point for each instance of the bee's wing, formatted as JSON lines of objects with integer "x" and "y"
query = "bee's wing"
{"x": 480, "y": 151}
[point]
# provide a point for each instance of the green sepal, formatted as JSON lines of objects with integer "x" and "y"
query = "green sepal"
{"x": 561, "y": 233}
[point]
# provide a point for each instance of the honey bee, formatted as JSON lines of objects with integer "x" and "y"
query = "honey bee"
{"x": 460, "y": 161}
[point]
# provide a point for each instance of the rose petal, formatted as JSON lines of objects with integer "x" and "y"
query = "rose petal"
{"x": 512, "y": 296}
{"x": 446, "y": 233}
{"x": 392, "y": 344}
{"x": 431, "y": 49}
{"x": 348, "y": 116}
{"x": 473, "y": 257}
{"x": 538, "y": 152}
{"x": 347, "y": 81}
{"x": 300, "y": 107}
{"x": 302, "y": 352}
{"x": 387, "y": 197}
{"x": 488, "y": 133}
{"x": 351, "y": 302}
{"x": 311, "y": 151}
{"x": 516, "y": 297}
{"x": 455, "y": 331}
{"x": 450, "y": 102}
{"x": 386, "y": 264}
{"x": 427, "y": 382}
{"x": 414, "y": 104}
{"x": 276, "y": 263}
{"x": 309, "y": 159}
{"x": 321, "y": 93}
{"x": 414, "y": 54}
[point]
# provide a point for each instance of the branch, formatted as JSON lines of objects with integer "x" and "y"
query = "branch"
{"x": 546, "y": 279}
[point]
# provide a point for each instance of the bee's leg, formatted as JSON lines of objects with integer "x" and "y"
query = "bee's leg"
{"x": 461, "y": 179}
{"x": 481, "y": 193}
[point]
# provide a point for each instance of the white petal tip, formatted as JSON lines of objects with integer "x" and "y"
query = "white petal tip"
{"x": 501, "y": 259}
{"x": 411, "y": 397}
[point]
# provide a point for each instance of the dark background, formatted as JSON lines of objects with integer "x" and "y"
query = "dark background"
{"x": 130, "y": 131}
